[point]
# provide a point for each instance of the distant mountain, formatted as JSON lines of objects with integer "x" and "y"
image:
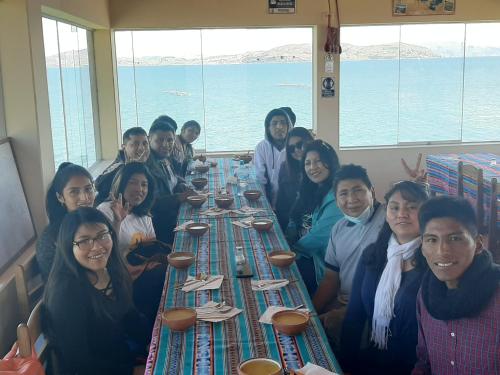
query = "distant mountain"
{"x": 290, "y": 53}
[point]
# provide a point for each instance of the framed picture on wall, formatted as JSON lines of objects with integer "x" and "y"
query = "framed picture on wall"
{"x": 422, "y": 7}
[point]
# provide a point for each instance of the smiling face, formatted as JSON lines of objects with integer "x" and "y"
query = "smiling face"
{"x": 162, "y": 142}
{"x": 190, "y": 134}
{"x": 78, "y": 192}
{"x": 402, "y": 217}
{"x": 296, "y": 147}
{"x": 315, "y": 169}
{"x": 136, "y": 148}
{"x": 449, "y": 249}
{"x": 136, "y": 190}
{"x": 354, "y": 197}
{"x": 278, "y": 127}
{"x": 93, "y": 246}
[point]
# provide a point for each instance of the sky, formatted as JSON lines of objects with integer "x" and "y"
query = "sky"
{"x": 187, "y": 43}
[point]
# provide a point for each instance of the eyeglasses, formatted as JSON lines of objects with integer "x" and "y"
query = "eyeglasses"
{"x": 296, "y": 146}
{"x": 88, "y": 243}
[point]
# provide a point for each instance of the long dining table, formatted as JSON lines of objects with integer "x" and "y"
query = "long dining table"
{"x": 218, "y": 348}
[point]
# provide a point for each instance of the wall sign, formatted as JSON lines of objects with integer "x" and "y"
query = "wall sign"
{"x": 327, "y": 87}
{"x": 282, "y": 6}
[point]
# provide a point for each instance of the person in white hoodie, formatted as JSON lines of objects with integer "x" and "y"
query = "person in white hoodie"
{"x": 270, "y": 152}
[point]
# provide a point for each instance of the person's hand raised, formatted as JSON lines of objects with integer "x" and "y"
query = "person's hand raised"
{"x": 120, "y": 210}
{"x": 416, "y": 174}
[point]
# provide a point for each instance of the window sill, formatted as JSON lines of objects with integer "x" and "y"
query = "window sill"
{"x": 418, "y": 145}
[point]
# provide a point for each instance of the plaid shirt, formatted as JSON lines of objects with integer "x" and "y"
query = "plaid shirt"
{"x": 463, "y": 346}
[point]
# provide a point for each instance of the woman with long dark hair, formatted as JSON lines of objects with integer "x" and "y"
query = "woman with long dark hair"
{"x": 315, "y": 211}
{"x": 290, "y": 173}
{"x": 132, "y": 193}
{"x": 384, "y": 291}
{"x": 71, "y": 187}
{"x": 88, "y": 312}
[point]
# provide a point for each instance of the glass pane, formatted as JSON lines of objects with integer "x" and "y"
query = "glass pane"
{"x": 369, "y": 69}
{"x": 70, "y": 95}
{"x": 54, "y": 87}
{"x": 431, "y": 78}
{"x": 126, "y": 79}
{"x": 166, "y": 78}
{"x": 248, "y": 72}
{"x": 251, "y": 71}
{"x": 481, "y": 118}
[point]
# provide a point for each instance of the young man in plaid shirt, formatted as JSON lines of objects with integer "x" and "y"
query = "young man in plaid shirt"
{"x": 458, "y": 307}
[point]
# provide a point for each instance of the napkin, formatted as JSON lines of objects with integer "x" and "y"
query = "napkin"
{"x": 269, "y": 284}
{"x": 312, "y": 369}
{"x": 183, "y": 226}
{"x": 271, "y": 310}
{"x": 214, "y": 211}
{"x": 216, "y": 315}
{"x": 213, "y": 282}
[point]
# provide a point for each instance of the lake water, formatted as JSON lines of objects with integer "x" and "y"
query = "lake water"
{"x": 382, "y": 101}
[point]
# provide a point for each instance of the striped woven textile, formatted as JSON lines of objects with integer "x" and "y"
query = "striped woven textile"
{"x": 442, "y": 172}
{"x": 218, "y": 348}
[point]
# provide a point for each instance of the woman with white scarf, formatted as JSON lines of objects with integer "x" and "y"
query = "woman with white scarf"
{"x": 384, "y": 291}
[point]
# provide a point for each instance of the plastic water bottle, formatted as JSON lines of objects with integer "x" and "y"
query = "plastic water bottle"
{"x": 243, "y": 174}
{"x": 240, "y": 256}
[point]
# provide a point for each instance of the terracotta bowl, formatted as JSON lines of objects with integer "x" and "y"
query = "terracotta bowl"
{"x": 281, "y": 258}
{"x": 259, "y": 366}
{"x": 179, "y": 318}
{"x": 199, "y": 183}
{"x": 290, "y": 322}
{"x": 224, "y": 201}
{"x": 180, "y": 259}
{"x": 252, "y": 195}
{"x": 262, "y": 225}
{"x": 197, "y": 229}
{"x": 196, "y": 200}
{"x": 202, "y": 168}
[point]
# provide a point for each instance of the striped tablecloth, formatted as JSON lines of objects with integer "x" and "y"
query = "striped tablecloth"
{"x": 218, "y": 348}
{"x": 442, "y": 172}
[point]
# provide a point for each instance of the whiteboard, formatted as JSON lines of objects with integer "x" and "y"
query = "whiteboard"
{"x": 16, "y": 226}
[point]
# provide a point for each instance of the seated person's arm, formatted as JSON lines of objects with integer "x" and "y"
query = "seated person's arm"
{"x": 260, "y": 165}
{"x": 327, "y": 290}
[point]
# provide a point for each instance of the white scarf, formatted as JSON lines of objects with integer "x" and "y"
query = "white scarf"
{"x": 387, "y": 288}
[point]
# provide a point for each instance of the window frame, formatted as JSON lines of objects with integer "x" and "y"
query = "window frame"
{"x": 92, "y": 83}
{"x": 3, "y": 123}
{"x": 403, "y": 144}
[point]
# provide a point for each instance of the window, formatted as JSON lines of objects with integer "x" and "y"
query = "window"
{"x": 419, "y": 83}
{"x": 70, "y": 92}
{"x": 226, "y": 79}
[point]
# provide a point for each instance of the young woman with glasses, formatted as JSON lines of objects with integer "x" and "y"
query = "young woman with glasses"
{"x": 88, "y": 311}
{"x": 290, "y": 173}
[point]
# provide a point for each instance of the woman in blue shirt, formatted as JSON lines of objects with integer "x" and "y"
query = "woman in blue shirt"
{"x": 315, "y": 212}
{"x": 384, "y": 291}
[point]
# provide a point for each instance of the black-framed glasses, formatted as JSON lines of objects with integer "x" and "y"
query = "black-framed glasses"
{"x": 87, "y": 244}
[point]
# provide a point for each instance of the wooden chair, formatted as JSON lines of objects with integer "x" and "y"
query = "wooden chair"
{"x": 38, "y": 340}
{"x": 470, "y": 179}
{"x": 29, "y": 287}
{"x": 493, "y": 230}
